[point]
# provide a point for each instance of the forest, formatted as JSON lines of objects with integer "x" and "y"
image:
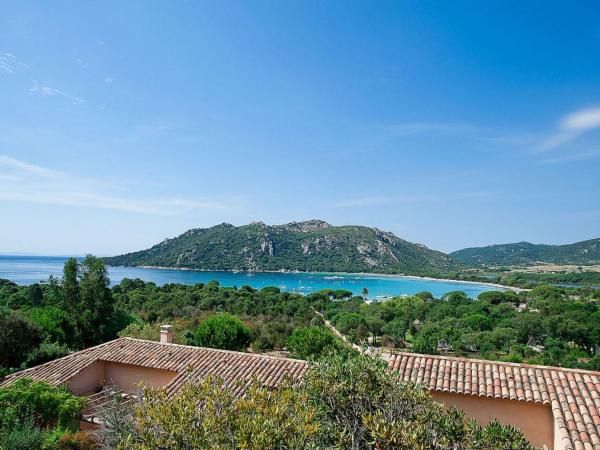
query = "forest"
{"x": 546, "y": 325}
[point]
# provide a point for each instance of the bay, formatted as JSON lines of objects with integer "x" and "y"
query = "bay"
{"x": 32, "y": 269}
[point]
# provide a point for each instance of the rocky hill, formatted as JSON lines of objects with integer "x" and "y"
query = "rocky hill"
{"x": 313, "y": 245}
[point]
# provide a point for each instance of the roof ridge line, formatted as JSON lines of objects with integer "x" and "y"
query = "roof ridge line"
{"x": 70, "y": 355}
{"x": 234, "y": 352}
{"x": 505, "y": 363}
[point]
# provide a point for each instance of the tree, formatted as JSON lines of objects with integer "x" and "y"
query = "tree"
{"x": 396, "y": 330}
{"x": 353, "y": 325}
{"x": 88, "y": 299}
{"x": 70, "y": 286}
{"x": 96, "y": 298}
{"x": 223, "y": 331}
{"x": 364, "y": 292}
{"x": 35, "y": 295}
{"x": 427, "y": 339}
{"x": 47, "y": 351}
{"x": 312, "y": 342}
{"x": 478, "y": 322}
{"x": 18, "y": 337}
{"x": 56, "y": 323}
{"x": 373, "y": 317}
{"x": 151, "y": 331}
{"x": 497, "y": 297}
{"x": 425, "y": 296}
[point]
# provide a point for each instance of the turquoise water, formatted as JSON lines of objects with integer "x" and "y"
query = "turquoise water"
{"x": 32, "y": 269}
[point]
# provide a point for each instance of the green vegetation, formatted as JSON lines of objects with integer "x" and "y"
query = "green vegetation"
{"x": 42, "y": 322}
{"x": 313, "y": 342}
{"x": 306, "y": 246}
{"x": 505, "y": 277}
{"x": 222, "y": 331}
{"x": 35, "y": 415}
{"x": 585, "y": 252}
{"x": 547, "y": 325}
{"x": 345, "y": 401}
{"x": 342, "y": 403}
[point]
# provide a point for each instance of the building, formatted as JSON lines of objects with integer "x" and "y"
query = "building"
{"x": 120, "y": 365}
{"x": 554, "y": 407}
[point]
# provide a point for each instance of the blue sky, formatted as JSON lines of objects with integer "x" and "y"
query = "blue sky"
{"x": 450, "y": 124}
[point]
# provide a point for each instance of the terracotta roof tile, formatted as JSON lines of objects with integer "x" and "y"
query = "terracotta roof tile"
{"x": 190, "y": 363}
{"x": 573, "y": 395}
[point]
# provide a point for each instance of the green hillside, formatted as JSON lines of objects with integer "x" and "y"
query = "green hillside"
{"x": 305, "y": 246}
{"x": 524, "y": 253}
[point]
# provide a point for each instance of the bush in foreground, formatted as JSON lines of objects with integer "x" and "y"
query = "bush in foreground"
{"x": 342, "y": 403}
{"x": 35, "y": 415}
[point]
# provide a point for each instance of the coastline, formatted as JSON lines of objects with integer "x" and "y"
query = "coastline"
{"x": 361, "y": 274}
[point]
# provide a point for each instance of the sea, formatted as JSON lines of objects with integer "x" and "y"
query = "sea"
{"x": 26, "y": 270}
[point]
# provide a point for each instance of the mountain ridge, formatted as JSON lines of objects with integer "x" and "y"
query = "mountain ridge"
{"x": 312, "y": 245}
{"x": 525, "y": 253}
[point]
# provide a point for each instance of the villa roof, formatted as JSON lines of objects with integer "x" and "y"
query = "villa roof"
{"x": 573, "y": 395}
{"x": 187, "y": 361}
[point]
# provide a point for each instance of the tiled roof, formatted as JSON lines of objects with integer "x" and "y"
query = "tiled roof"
{"x": 189, "y": 363}
{"x": 573, "y": 395}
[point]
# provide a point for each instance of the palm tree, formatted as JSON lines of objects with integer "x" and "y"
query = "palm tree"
{"x": 364, "y": 293}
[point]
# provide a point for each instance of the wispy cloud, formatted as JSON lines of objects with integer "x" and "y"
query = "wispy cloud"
{"x": 47, "y": 91}
{"x": 9, "y": 63}
{"x": 572, "y": 126}
{"x": 31, "y": 183}
{"x": 22, "y": 166}
{"x": 572, "y": 157}
{"x": 382, "y": 200}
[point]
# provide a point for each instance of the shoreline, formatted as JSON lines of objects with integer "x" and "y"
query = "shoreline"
{"x": 362, "y": 274}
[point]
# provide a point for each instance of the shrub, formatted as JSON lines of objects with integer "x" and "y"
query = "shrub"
{"x": 312, "y": 342}
{"x": 47, "y": 351}
{"x": 342, "y": 403}
{"x": 77, "y": 441}
{"x": 45, "y": 404}
{"x": 21, "y": 436}
{"x": 223, "y": 331}
{"x": 363, "y": 406}
{"x": 206, "y": 415}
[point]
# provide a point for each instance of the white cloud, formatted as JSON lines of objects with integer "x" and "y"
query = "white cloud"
{"x": 31, "y": 183}
{"x": 585, "y": 119}
{"x": 572, "y": 126}
{"x": 9, "y": 63}
{"x": 573, "y": 157}
{"x": 47, "y": 91}
{"x": 108, "y": 80}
